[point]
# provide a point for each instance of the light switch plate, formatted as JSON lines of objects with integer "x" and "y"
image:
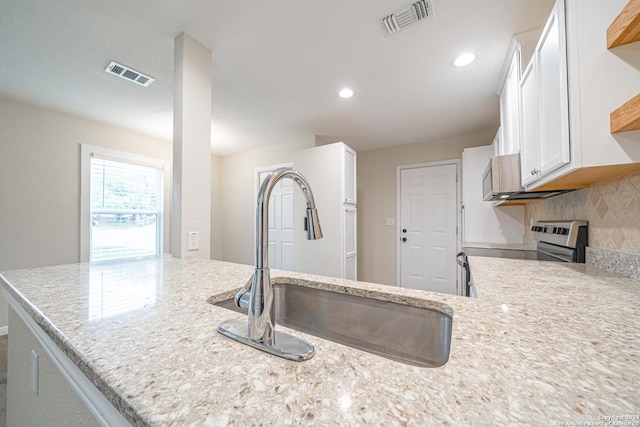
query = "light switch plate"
{"x": 390, "y": 221}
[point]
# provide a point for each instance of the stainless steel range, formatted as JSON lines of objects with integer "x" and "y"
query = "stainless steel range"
{"x": 562, "y": 241}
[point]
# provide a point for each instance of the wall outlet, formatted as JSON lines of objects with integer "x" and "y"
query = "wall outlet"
{"x": 193, "y": 240}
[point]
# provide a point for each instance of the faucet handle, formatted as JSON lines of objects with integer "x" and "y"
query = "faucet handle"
{"x": 242, "y": 297}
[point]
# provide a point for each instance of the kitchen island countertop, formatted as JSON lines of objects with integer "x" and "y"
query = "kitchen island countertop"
{"x": 545, "y": 342}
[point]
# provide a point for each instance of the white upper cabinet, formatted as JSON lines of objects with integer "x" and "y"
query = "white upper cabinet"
{"x": 545, "y": 104}
{"x": 509, "y": 142}
{"x": 568, "y": 90}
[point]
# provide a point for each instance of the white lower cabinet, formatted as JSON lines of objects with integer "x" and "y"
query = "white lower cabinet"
{"x": 44, "y": 387}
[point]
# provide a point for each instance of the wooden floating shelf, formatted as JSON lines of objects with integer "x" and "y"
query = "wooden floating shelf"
{"x": 625, "y": 28}
{"x": 626, "y": 117}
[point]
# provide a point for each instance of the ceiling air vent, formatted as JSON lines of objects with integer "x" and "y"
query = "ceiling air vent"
{"x": 405, "y": 16}
{"x": 129, "y": 74}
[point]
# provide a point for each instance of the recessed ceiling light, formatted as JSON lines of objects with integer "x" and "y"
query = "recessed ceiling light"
{"x": 345, "y": 93}
{"x": 463, "y": 59}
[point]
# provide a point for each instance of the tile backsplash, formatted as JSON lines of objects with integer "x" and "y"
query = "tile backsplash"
{"x": 612, "y": 209}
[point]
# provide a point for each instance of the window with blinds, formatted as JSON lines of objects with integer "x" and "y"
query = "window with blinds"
{"x": 126, "y": 202}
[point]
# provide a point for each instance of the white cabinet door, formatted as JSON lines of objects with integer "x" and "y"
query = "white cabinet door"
{"x": 529, "y": 128}
{"x": 349, "y": 171}
{"x": 350, "y": 243}
{"x": 545, "y": 103}
{"x": 554, "y": 104}
{"x": 510, "y": 108}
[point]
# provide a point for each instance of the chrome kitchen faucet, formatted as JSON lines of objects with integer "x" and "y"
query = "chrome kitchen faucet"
{"x": 258, "y": 331}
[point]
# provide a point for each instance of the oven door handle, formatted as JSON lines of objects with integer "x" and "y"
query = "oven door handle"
{"x": 555, "y": 256}
{"x": 473, "y": 293}
{"x": 556, "y": 252}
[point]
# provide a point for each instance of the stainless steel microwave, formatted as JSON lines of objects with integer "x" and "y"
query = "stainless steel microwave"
{"x": 501, "y": 181}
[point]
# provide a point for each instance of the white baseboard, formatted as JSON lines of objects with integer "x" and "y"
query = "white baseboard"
{"x": 4, "y": 330}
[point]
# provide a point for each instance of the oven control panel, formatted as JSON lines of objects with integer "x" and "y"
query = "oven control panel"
{"x": 562, "y": 233}
{"x": 551, "y": 229}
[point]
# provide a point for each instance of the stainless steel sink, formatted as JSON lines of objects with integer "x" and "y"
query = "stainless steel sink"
{"x": 412, "y": 335}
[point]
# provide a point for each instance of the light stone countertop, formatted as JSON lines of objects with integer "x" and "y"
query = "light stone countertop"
{"x": 544, "y": 343}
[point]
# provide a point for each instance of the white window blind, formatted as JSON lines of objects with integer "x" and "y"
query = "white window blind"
{"x": 126, "y": 203}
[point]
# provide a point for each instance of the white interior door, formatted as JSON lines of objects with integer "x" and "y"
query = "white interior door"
{"x": 428, "y": 224}
{"x": 281, "y": 231}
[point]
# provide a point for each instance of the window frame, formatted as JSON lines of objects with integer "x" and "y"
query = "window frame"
{"x": 86, "y": 153}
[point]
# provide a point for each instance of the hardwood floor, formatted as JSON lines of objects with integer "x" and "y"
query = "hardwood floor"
{"x": 3, "y": 380}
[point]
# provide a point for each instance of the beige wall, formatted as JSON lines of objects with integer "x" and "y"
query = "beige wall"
{"x": 40, "y": 182}
{"x": 377, "y": 199}
{"x": 612, "y": 209}
{"x": 216, "y": 208}
{"x": 238, "y": 196}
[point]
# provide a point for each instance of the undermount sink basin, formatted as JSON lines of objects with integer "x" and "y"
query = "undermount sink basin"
{"x": 412, "y": 335}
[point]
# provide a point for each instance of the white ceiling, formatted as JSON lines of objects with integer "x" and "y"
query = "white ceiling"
{"x": 277, "y": 66}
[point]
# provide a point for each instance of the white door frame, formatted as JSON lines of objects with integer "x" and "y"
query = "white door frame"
{"x": 399, "y": 169}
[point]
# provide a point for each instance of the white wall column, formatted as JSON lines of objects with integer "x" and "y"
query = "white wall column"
{"x": 191, "y": 148}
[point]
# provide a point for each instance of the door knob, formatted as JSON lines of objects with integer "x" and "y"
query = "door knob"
{"x": 404, "y": 239}
{"x": 404, "y": 230}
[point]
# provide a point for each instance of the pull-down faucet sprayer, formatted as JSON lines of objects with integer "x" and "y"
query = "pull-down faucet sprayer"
{"x": 259, "y": 331}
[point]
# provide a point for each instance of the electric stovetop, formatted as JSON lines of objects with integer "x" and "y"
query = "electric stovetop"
{"x": 508, "y": 253}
